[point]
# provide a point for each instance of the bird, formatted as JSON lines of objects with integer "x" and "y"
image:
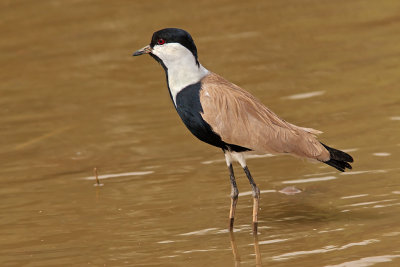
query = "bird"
{"x": 226, "y": 116}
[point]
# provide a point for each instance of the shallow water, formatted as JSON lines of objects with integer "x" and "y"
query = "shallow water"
{"x": 72, "y": 98}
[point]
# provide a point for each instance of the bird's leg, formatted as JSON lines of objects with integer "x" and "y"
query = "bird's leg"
{"x": 234, "y": 189}
{"x": 234, "y": 197}
{"x": 256, "y": 197}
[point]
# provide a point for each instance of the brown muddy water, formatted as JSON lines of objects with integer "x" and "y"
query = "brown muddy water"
{"x": 73, "y": 98}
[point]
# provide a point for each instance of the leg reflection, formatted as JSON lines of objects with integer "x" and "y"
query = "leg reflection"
{"x": 235, "y": 251}
{"x": 257, "y": 251}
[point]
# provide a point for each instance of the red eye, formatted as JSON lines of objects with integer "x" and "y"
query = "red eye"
{"x": 161, "y": 41}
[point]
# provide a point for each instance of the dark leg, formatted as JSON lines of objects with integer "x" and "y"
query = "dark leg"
{"x": 234, "y": 197}
{"x": 256, "y": 197}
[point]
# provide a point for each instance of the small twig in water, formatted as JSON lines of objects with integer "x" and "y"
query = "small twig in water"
{"x": 97, "y": 178}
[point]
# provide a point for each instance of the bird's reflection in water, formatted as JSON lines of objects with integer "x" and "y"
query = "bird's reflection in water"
{"x": 257, "y": 251}
{"x": 235, "y": 251}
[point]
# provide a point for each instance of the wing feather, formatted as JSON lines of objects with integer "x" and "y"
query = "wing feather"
{"x": 241, "y": 119}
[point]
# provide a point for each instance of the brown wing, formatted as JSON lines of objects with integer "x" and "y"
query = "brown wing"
{"x": 240, "y": 119}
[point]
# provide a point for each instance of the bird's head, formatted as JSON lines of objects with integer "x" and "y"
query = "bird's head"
{"x": 171, "y": 46}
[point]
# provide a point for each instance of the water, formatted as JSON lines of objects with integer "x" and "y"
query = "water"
{"x": 72, "y": 99}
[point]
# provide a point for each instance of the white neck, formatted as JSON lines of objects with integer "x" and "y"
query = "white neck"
{"x": 181, "y": 76}
{"x": 181, "y": 67}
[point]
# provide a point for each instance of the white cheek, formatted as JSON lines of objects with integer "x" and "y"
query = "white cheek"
{"x": 167, "y": 52}
{"x": 156, "y": 51}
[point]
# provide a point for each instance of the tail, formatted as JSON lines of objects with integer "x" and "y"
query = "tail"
{"x": 339, "y": 159}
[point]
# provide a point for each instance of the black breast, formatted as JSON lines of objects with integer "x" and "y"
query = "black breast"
{"x": 189, "y": 108}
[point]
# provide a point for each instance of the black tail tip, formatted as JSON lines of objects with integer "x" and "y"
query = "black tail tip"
{"x": 339, "y": 159}
{"x": 340, "y": 165}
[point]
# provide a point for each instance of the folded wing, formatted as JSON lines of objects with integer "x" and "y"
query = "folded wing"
{"x": 240, "y": 119}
